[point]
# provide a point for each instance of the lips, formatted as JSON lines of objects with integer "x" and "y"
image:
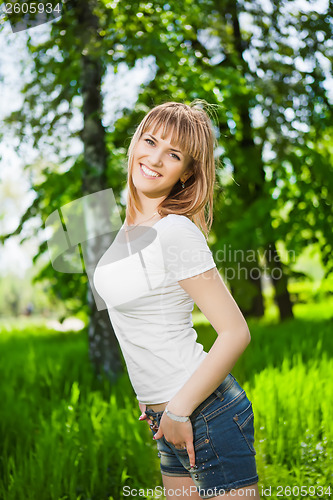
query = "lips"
{"x": 147, "y": 172}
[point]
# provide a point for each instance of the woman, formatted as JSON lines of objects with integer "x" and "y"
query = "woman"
{"x": 199, "y": 415}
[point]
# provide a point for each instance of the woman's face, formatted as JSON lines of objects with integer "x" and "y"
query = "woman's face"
{"x": 158, "y": 165}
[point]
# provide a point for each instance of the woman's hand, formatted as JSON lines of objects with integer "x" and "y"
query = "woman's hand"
{"x": 143, "y": 416}
{"x": 179, "y": 434}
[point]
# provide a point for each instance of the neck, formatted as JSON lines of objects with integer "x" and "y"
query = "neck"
{"x": 140, "y": 218}
{"x": 148, "y": 207}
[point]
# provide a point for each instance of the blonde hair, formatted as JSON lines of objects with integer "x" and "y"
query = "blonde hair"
{"x": 191, "y": 129}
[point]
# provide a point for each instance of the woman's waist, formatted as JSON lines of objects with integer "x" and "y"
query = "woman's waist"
{"x": 157, "y": 407}
{"x": 227, "y": 383}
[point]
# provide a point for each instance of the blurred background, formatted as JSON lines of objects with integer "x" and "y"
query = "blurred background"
{"x": 73, "y": 91}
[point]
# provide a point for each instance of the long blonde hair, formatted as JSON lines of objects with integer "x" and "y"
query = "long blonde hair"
{"x": 191, "y": 129}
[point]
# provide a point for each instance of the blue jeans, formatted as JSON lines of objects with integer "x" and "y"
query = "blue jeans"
{"x": 223, "y": 438}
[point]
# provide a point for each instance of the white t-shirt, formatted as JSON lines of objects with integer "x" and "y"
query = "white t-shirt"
{"x": 151, "y": 313}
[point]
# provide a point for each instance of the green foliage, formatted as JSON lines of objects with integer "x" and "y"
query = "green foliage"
{"x": 286, "y": 371}
{"x": 294, "y": 429}
{"x": 63, "y": 433}
{"x": 16, "y": 293}
{"x": 273, "y": 121}
{"x": 66, "y": 434}
{"x": 301, "y": 339}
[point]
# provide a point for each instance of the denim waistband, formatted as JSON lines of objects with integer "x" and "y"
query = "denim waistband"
{"x": 219, "y": 391}
{"x": 227, "y": 382}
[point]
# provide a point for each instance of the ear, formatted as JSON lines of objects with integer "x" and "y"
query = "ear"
{"x": 186, "y": 176}
{"x": 188, "y": 172}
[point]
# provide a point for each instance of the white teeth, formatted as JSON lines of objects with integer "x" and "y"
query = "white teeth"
{"x": 149, "y": 172}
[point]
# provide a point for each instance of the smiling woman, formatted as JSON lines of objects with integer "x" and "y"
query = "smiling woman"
{"x": 156, "y": 268}
{"x": 175, "y": 141}
{"x": 156, "y": 160}
{"x": 157, "y": 143}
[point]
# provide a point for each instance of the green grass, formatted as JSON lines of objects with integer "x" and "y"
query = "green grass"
{"x": 66, "y": 435}
{"x": 293, "y": 407}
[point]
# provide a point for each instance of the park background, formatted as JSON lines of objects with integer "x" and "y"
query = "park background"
{"x": 73, "y": 90}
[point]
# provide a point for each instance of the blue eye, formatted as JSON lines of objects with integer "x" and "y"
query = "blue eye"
{"x": 152, "y": 143}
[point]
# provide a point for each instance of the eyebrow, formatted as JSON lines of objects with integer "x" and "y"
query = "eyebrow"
{"x": 171, "y": 149}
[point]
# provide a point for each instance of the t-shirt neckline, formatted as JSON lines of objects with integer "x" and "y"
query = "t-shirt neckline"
{"x": 160, "y": 220}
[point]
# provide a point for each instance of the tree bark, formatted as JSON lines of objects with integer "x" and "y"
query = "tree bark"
{"x": 104, "y": 349}
{"x": 257, "y": 306}
{"x": 279, "y": 280}
{"x": 246, "y": 288}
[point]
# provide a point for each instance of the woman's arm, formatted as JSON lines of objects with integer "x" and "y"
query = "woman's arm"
{"x": 217, "y": 304}
{"x": 215, "y": 301}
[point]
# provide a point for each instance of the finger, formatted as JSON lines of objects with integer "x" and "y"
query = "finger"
{"x": 191, "y": 453}
{"x": 180, "y": 447}
{"x": 158, "y": 434}
{"x": 145, "y": 417}
{"x": 142, "y": 407}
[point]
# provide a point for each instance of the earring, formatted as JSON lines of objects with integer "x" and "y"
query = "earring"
{"x": 183, "y": 185}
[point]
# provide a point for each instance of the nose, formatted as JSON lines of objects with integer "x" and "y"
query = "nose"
{"x": 156, "y": 158}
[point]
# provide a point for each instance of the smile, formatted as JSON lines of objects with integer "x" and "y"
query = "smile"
{"x": 147, "y": 172}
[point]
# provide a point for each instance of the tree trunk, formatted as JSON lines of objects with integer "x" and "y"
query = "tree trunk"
{"x": 103, "y": 345}
{"x": 252, "y": 178}
{"x": 257, "y": 307}
{"x": 246, "y": 287}
{"x": 280, "y": 281}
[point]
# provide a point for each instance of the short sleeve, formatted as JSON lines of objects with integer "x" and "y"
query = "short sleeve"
{"x": 185, "y": 250}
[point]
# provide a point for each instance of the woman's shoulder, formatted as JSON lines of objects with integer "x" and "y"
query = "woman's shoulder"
{"x": 180, "y": 220}
{"x": 179, "y": 226}
{"x": 184, "y": 247}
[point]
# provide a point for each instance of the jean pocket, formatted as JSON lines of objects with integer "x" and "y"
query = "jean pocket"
{"x": 245, "y": 423}
{"x": 198, "y": 444}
